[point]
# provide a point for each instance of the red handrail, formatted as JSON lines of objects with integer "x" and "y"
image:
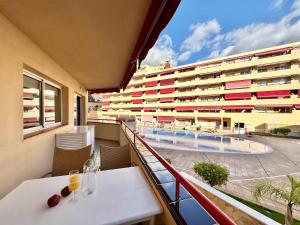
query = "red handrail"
{"x": 210, "y": 207}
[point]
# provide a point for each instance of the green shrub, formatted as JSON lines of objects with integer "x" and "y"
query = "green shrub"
{"x": 283, "y": 131}
{"x": 212, "y": 173}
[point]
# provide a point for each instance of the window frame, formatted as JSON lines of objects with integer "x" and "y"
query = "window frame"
{"x": 42, "y": 81}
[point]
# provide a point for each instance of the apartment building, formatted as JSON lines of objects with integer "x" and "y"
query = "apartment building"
{"x": 255, "y": 90}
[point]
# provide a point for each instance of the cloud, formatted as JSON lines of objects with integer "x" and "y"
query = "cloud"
{"x": 277, "y": 4}
{"x": 208, "y": 35}
{"x": 259, "y": 35}
{"x": 161, "y": 51}
{"x": 198, "y": 39}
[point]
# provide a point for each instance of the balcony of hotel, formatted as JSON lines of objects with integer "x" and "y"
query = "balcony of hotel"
{"x": 51, "y": 53}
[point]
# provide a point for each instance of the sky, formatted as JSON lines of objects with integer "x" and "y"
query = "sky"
{"x": 205, "y": 29}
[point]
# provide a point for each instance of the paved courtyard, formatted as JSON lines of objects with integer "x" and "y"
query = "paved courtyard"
{"x": 245, "y": 170}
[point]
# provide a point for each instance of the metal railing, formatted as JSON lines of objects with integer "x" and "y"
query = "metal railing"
{"x": 210, "y": 207}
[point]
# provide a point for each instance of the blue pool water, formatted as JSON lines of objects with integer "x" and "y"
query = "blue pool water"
{"x": 201, "y": 142}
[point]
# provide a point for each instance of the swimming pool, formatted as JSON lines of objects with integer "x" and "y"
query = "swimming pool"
{"x": 200, "y": 142}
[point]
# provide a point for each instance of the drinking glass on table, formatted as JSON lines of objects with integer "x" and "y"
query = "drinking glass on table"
{"x": 89, "y": 177}
{"x": 74, "y": 183}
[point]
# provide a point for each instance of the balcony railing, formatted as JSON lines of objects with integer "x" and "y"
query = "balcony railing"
{"x": 219, "y": 216}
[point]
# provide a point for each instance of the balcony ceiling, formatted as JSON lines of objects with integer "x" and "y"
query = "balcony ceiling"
{"x": 91, "y": 39}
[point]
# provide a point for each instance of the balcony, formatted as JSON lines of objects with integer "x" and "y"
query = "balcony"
{"x": 174, "y": 190}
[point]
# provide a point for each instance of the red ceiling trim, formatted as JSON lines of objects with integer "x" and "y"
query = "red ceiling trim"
{"x": 159, "y": 15}
{"x": 103, "y": 90}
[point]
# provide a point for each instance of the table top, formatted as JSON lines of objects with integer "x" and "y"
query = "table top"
{"x": 122, "y": 196}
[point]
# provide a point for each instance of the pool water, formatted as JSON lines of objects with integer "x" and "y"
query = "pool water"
{"x": 200, "y": 142}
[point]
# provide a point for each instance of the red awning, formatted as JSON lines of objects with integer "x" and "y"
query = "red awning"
{"x": 165, "y": 118}
{"x": 299, "y": 93}
{"x": 148, "y": 37}
{"x": 183, "y": 69}
{"x": 272, "y": 94}
{"x": 167, "y": 72}
{"x": 151, "y": 92}
{"x": 279, "y": 50}
{"x": 49, "y": 109}
{"x": 151, "y": 84}
{"x": 185, "y": 108}
{"x": 136, "y": 109}
{"x": 211, "y": 63}
{"x": 137, "y": 93}
{"x": 151, "y": 75}
{"x": 186, "y": 97}
{"x": 27, "y": 95}
{"x": 167, "y": 107}
{"x": 208, "y": 119}
{"x": 238, "y": 84}
{"x": 209, "y": 107}
{"x": 274, "y": 106}
{"x": 231, "y": 96}
{"x": 167, "y": 82}
{"x": 149, "y": 109}
{"x": 105, "y": 103}
{"x": 137, "y": 101}
{"x": 30, "y": 120}
{"x": 297, "y": 106}
{"x": 237, "y": 107}
{"x": 167, "y": 90}
{"x": 171, "y": 99}
{"x": 185, "y": 117}
{"x": 239, "y": 57}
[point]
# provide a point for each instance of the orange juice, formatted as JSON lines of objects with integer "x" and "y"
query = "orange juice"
{"x": 73, "y": 178}
{"x": 73, "y": 186}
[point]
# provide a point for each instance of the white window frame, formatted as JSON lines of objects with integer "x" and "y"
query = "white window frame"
{"x": 42, "y": 97}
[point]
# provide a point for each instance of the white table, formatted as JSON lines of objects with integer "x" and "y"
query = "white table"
{"x": 123, "y": 196}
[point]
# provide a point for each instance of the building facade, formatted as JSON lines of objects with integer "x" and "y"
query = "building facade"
{"x": 253, "y": 91}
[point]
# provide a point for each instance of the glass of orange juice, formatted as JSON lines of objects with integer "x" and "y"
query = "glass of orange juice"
{"x": 74, "y": 183}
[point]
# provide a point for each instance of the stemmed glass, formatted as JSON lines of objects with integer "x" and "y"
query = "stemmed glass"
{"x": 74, "y": 183}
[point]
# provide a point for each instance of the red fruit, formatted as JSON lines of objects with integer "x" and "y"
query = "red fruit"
{"x": 65, "y": 191}
{"x": 53, "y": 200}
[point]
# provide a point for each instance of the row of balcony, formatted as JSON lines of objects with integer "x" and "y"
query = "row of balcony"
{"x": 227, "y": 66}
{"x": 293, "y": 85}
{"x": 294, "y": 99}
{"x": 254, "y": 75}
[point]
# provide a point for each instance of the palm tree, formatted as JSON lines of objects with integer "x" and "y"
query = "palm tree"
{"x": 291, "y": 196}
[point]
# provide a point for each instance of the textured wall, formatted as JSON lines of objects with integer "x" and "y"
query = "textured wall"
{"x": 30, "y": 158}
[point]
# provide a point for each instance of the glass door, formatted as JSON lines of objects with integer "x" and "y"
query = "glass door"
{"x": 78, "y": 110}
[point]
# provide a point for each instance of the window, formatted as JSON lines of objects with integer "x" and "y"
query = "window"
{"x": 41, "y": 103}
{"x": 245, "y": 71}
{"x": 261, "y": 70}
{"x": 281, "y": 67}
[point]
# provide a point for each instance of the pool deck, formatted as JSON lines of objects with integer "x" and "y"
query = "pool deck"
{"x": 245, "y": 170}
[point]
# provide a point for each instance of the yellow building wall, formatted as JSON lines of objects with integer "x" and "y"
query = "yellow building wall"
{"x": 30, "y": 158}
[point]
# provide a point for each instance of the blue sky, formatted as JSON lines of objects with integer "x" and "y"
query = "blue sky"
{"x": 209, "y": 29}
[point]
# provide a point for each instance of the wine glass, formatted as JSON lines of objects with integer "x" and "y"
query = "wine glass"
{"x": 74, "y": 183}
